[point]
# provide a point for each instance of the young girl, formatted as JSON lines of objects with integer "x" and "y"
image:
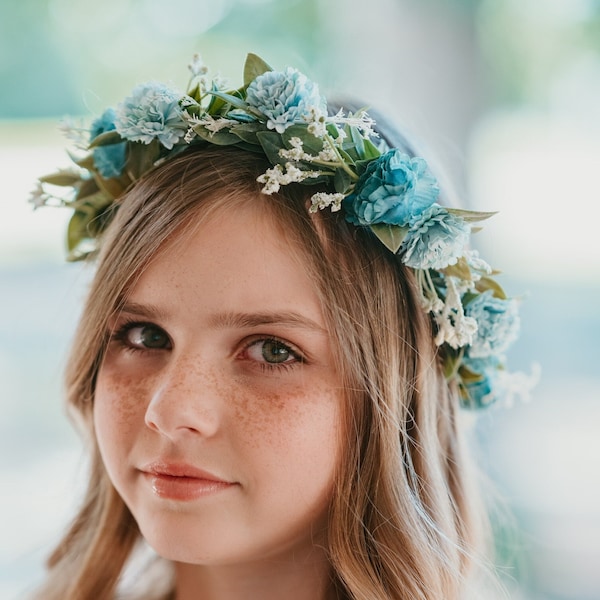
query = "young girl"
{"x": 283, "y": 325}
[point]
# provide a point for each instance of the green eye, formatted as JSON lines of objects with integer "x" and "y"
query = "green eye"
{"x": 275, "y": 352}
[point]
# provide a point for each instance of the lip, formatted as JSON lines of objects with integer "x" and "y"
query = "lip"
{"x": 181, "y": 481}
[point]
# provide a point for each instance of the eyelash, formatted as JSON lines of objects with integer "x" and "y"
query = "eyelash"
{"x": 120, "y": 336}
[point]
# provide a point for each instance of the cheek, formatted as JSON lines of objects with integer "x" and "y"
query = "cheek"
{"x": 119, "y": 408}
{"x": 289, "y": 417}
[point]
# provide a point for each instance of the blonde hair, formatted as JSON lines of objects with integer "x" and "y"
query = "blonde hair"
{"x": 404, "y": 518}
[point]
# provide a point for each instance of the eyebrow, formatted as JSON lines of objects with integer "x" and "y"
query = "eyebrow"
{"x": 231, "y": 319}
{"x": 242, "y": 319}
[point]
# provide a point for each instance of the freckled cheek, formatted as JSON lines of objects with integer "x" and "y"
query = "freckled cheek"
{"x": 120, "y": 403}
{"x": 290, "y": 415}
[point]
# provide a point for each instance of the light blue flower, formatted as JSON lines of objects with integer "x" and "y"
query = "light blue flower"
{"x": 394, "y": 189}
{"x": 435, "y": 239}
{"x": 109, "y": 160}
{"x": 481, "y": 391}
{"x": 284, "y": 97}
{"x": 151, "y": 112}
{"x": 497, "y": 324}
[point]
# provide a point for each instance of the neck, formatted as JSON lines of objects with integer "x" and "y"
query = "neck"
{"x": 292, "y": 580}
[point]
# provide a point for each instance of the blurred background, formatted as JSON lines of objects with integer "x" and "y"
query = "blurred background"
{"x": 504, "y": 93}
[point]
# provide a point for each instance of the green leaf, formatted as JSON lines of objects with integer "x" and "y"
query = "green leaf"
{"x": 79, "y": 228}
{"x": 451, "y": 363}
{"x": 113, "y": 188}
{"x": 371, "y": 151}
{"x": 87, "y": 162}
{"x": 90, "y": 218}
{"x": 254, "y": 67}
{"x": 341, "y": 181}
{"x": 76, "y": 229}
{"x": 311, "y": 143}
{"x": 106, "y": 139}
{"x": 195, "y": 93}
{"x": 471, "y": 216}
{"x": 87, "y": 188}
{"x": 461, "y": 270}
{"x": 141, "y": 158}
{"x": 391, "y": 236}
{"x": 247, "y": 131}
{"x": 229, "y": 99}
{"x": 62, "y": 178}
{"x": 467, "y": 376}
{"x": 220, "y": 138}
{"x": 358, "y": 143}
{"x": 487, "y": 283}
{"x": 271, "y": 143}
{"x": 332, "y": 130}
{"x": 349, "y": 160}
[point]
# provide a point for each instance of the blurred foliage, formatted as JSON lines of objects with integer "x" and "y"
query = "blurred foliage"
{"x": 49, "y": 46}
{"x": 528, "y": 44}
{"x": 29, "y": 57}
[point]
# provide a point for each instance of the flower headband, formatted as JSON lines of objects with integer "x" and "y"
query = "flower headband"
{"x": 282, "y": 115}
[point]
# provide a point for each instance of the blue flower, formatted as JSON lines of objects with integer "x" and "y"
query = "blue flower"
{"x": 284, "y": 97}
{"x": 497, "y": 324}
{"x": 480, "y": 392}
{"x": 394, "y": 189}
{"x": 151, "y": 112}
{"x": 109, "y": 160}
{"x": 435, "y": 239}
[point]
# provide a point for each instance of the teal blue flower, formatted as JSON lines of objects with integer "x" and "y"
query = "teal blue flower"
{"x": 435, "y": 239}
{"x": 394, "y": 189}
{"x": 109, "y": 160}
{"x": 284, "y": 97}
{"x": 151, "y": 112}
{"x": 480, "y": 392}
{"x": 497, "y": 324}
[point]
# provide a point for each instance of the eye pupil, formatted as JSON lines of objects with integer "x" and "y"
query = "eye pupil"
{"x": 275, "y": 352}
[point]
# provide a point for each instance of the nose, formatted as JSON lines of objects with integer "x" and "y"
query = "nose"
{"x": 185, "y": 399}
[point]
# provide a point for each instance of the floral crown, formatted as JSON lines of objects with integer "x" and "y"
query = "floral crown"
{"x": 282, "y": 115}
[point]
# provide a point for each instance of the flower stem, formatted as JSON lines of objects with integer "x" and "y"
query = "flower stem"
{"x": 341, "y": 163}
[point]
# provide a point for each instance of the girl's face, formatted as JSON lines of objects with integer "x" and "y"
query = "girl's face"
{"x": 218, "y": 407}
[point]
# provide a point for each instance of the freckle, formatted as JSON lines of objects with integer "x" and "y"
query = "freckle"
{"x": 121, "y": 398}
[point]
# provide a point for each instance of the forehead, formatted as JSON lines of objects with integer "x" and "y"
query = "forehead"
{"x": 237, "y": 255}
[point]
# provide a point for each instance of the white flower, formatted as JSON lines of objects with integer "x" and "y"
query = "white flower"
{"x": 215, "y": 125}
{"x": 362, "y": 121}
{"x": 296, "y": 152}
{"x": 276, "y": 177}
{"x": 317, "y": 124}
{"x": 197, "y": 66}
{"x": 328, "y": 154}
{"x": 38, "y": 197}
{"x": 322, "y": 200}
{"x": 432, "y": 304}
{"x": 454, "y": 328}
{"x": 78, "y": 134}
{"x": 272, "y": 180}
